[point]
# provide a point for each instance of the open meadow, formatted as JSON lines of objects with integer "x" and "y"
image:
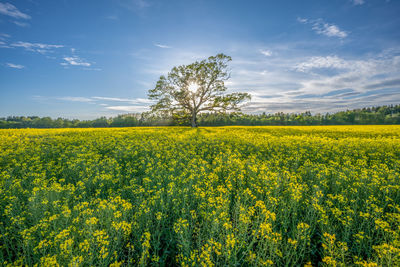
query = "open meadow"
{"x": 225, "y": 196}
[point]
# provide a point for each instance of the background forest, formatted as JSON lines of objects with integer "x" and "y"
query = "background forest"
{"x": 372, "y": 115}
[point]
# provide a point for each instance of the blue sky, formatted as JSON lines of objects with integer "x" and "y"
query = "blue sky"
{"x": 85, "y": 59}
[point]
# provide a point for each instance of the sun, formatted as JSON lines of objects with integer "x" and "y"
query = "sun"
{"x": 193, "y": 87}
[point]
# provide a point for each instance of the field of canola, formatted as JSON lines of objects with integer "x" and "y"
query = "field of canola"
{"x": 228, "y": 196}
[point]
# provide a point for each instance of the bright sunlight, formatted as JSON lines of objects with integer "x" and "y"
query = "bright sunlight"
{"x": 193, "y": 87}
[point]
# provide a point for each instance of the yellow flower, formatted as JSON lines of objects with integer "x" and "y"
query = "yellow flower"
{"x": 92, "y": 221}
{"x": 292, "y": 242}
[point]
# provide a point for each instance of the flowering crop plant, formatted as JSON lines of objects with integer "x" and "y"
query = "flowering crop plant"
{"x": 225, "y": 196}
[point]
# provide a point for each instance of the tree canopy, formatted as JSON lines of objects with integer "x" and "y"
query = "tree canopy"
{"x": 188, "y": 90}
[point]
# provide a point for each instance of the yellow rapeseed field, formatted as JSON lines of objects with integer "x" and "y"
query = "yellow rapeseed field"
{"x": 226, "y": 196}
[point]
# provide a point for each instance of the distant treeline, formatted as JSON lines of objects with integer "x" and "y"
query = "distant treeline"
{"x": 373, "y": 115}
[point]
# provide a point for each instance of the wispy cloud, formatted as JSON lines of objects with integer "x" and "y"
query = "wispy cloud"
{"x": 324, "y": 28}
{"x": 45, "y": 49}
{"x": 21, "y": 24}
{"x": 140, "y": 3}
{"x": 128, "y": 108}
{"x": 3, "y": 44}
{"x": 322, "y": 62}
{"x": 362, "y": 77}
{"x": 112, "y": 99}
{"x": 266, "y": 52}
{"x": 14, "y": 66}
{"x": 384, "y": 83}
{"x": 135, "y": 101}
{"x": 323, "y": 83}
{"x": 36, "y": 47}
{"x": 101, "y": 99}
{"x": 76, "y": 99}
{"x": 105, "y": 103}
{"x": 162, "y": 46}
{"x": 93, "y": 69}
{"x": 112, "y": 17}
{"x": 358, "y": 2}
{"x": 75, "y": 61}
{"x": 329, "y": 30}
{"x": 302, "y": 20}
{"x": 4, "y": 36}
{"x": 135, "y": 5}
{"x": 10, "y": 10}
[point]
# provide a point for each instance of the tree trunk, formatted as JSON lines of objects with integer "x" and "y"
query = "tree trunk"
{"x": 194, "y": 120}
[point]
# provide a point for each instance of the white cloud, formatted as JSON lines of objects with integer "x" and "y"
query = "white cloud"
{"x": 112, "y": 99}
{"x": 75, "y": 61}
{"x": 162, "y": 46}
{"x": 362, "y": 76}
{"x": 302, "y": 20}
{"x": 93, "y": 69}
{"x": 358, "y": 2}
{"x": 317, "y": 83}
{"x": 21, "y": 24}
{"x": 4, "y": 36}
{"x": 3, "y": 44}
{"x": 329, "y": 30}
{"x": 138, "y": 103}
{"x": 76, "y": 99}
{"x": 322, "y": 62}
{"x": 10, "y": 10}
{"x": 36, "y": 47}
{"x": 134, "y": 101}
{"x": 323, "y": 28}
{"x": 134, "y": 104}
{"x": 128, "y": 108}
{"x": 15, "y": 66}
{"x": 266, "y": 53}
{"x": 45, "y": 49}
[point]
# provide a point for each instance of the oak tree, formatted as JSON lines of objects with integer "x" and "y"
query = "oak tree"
{"x": 188, "y": 90}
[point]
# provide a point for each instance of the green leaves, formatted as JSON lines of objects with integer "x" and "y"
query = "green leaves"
{"x": 229, "y": 102}
{"x": 175, "y": 97}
